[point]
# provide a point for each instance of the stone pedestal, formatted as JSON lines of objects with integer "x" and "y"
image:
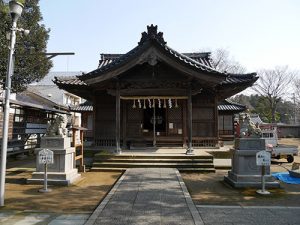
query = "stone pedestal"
{"x": 245, "y": 172}
{"x": 63, "y": 171}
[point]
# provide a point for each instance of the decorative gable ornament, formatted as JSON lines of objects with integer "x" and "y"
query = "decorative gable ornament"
{"x": 152, "y": 35}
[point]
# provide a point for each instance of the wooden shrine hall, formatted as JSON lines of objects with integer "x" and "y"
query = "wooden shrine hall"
{"x": 155, "y": 96}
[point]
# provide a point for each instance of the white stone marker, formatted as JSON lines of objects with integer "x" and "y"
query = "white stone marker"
{"x": 263, "y": 158}
{"x": 45, "y": 157}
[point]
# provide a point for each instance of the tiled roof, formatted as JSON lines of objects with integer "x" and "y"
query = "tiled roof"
{"x": 197, "y": 61}
{"x": 84, "y": 107}
{"x": 228, "y": 105}
{"x": 48, "y": 79}
{"x": 202, "y": 58}
{"x": 80, "y": 108}
{"x": 106, "y": 59}
{"x": 69, "y": 81}
{"x": 239, "y": 78}
{"x": 255, "y": 119}
{"x": 110, "y": 61}
{"x": 26, "y": 102}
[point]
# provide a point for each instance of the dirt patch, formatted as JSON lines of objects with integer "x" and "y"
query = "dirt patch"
{"x": 82, "y": 196}
{"x": 289, "y": 141}
{"x": 210, "y": 189}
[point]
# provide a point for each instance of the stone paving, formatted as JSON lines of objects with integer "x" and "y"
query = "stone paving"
{"x": 147, "y": 196}
{"x": 251, "y": 215}
{"x": 41, "y": 218}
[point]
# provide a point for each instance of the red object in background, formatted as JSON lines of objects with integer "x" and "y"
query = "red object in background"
{"x": 237, "y": 129}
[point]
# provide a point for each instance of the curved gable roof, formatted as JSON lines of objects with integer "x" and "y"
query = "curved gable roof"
{"x": 151, "y": 48}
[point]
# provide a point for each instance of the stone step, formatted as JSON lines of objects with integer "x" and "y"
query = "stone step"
{"x": 186, "y": 163}
{"x": 149, "y": 164}
{"x": 200, "y": 170}
{"x": 151, "y": 156}
{"x": 141, "y": 160}
{"x": 119, "y": 169}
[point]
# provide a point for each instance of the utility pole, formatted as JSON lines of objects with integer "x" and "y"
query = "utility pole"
{"x": 15, "y": 10}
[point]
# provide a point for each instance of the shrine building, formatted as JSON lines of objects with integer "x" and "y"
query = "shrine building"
{"x": 156, "y": 96}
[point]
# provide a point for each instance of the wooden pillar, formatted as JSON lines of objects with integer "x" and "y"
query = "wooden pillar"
{"x": 118, "y": 115}
{"x": 216, "y": 120}
{"x": 94, "y": 119}
{"x": 184, "y": 125}
{"x": 189, "y": 150}
{"x": 154, "y": 127}
{"x": 124, "y": 116}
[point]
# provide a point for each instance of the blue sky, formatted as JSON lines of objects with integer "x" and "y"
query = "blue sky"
{"x": 257, "y": 33}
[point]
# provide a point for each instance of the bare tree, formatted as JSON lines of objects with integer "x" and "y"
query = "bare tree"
{"x": 274, "y": 84}
{"x": 296, "y": 96}
{"x": 222, "y": 61}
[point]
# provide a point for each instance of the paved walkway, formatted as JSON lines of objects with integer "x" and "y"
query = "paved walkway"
{"x": 41, "y": 218}
{"x": 147, "y": 196}
{"x": 249, "y": 215}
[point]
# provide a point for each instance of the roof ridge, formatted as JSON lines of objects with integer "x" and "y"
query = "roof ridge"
{"x": 108, "y": 56}
{"x": 194, "y": 61}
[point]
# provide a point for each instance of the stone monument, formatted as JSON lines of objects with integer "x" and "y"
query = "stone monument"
{"x": 62, "y": 171}
{"x": 245, "y": 172}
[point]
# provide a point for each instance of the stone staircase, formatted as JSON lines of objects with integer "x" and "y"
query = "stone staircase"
{"x": 184, "y": 163}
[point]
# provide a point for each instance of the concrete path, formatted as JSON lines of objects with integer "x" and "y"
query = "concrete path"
{"x": 147, "y": 196}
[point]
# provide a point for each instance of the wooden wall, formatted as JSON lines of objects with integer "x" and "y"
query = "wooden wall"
{"x": 104, "y": 121}
{"x": 204, "y": 116}
{"x": 205, "y": 123}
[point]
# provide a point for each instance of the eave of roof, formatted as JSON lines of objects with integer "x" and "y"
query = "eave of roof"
{"x": 228, "y": 105}
{"x": 82, "y": 108}
{"x": 35, "y": 106}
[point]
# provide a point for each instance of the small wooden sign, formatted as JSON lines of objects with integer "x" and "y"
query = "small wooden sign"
{"x": 46, "y": 156}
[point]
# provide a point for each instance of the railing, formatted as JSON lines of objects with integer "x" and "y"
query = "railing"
{"x": 204, "y": 142}
{"x": 226, "y": 132}
{"x": 105, "y": 142}
{"x": 196, "y": 142}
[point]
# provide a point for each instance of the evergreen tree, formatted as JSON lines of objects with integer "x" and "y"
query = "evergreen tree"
{"x": 31, "y": 64}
